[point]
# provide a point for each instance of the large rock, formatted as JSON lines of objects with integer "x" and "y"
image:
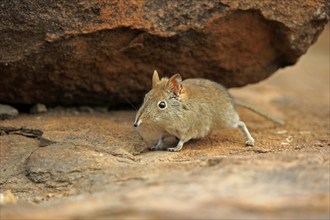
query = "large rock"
{"x": 96, "y": 52}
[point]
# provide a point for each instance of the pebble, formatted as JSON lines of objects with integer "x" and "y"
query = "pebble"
{"x": 38, "y": 199}
{"x": 38, "y": 108}
{"x": 86, "y": 109}
{"x": 281, "y": 132}
{"x": 261, "y": 151}
{"x": 319, "y": 144}
{"x": 7, "y": 112}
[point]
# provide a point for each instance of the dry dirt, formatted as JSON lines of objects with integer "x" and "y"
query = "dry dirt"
{"x": 96, "y": 165}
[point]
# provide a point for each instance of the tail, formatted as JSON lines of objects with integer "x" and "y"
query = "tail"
{"x": 258, "y": 111}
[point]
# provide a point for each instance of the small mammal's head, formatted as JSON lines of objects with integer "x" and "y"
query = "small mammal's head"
{"x": 162, "y": 103}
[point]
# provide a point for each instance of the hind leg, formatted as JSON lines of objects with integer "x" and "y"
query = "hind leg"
{"x": 245, "y": 131}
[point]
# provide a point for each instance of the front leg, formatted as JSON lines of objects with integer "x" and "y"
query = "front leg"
{"x": 178, "y": 146}
{"x": 159, "y": 145}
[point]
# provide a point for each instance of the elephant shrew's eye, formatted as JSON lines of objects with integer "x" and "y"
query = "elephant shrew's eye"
{"x": 162, "y": 105}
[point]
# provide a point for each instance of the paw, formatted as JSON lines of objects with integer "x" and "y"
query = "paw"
{"x": 173, "y": 149}
{"x": 249, "y": 142}
{"x": 156, "y": 147}
{"x": 153, "y": 148}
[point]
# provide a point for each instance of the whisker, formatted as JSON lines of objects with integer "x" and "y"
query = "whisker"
{"x": 128, "y": 102}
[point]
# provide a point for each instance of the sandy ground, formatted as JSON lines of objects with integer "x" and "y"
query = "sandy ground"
{"x": 98, "y": 166}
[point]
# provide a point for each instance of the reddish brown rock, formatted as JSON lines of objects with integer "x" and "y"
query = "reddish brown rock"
{"x": 103, "y": 52}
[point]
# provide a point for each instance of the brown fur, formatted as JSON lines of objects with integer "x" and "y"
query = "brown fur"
{"x": 194, "y": 108}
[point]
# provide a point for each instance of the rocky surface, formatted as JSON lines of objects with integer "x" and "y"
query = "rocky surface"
{"x": 104, "y": 52}
{"x": 95, "y": 164}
